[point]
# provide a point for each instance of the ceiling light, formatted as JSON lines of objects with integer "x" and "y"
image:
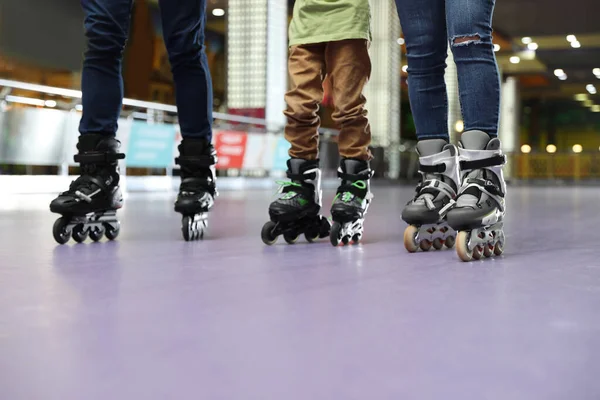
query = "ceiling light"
{"x": 526, "y": 40}
{"x": 515, "y": 60}
{"x": 526, "y": 149}
{"x": 551, "y": 148}
{"x": 563, "y": 77}
{"x": 497, "y": 47}
{"x": 218, "y": 12}
{"x": 405, "y": 68}
{"x": 575, "y": 44}
{"x": 559, "y": 72}
{"x": 400, "y": 41}
{"x": 533, "y": 46}
{"x": 596, "y": 72}
{"x": 591, "y": 89}
{"x": 460, "y": 126}
{"x": 588, "y": 103}
{"x": 571, "y": 38}
{"x": 577, "y": 148}
{"x": 50, "y": 103}
{"x": 581, "y": 97}
{"x": 595, "y": 108}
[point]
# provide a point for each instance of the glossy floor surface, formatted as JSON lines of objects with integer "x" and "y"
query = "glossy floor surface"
{"x": 152, "y": 317}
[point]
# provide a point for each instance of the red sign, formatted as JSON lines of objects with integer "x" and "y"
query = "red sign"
{"x": 231, "y": 147}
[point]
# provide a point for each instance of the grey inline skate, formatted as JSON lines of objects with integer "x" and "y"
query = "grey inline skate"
{"x": 435, "y": 196}
{"x": 89, "y": 207}
{"x": 197, "y": 192}
{"x": 351, "y": 201}
{"x": 296, "y": 211}
{"x": 480, "y": 207}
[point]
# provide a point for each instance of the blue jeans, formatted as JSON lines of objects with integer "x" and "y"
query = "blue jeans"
{"x": 429, "y": 26}
{"x": 107, "y": 29}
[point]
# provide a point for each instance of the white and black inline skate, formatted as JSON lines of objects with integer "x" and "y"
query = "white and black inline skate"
{"x": 480, "y": 207}
{"x": 197, "y": 192}
{"x": 89, "y": 207}
{"x": 435, "y": 196}
{"x": 296, "y": 211}
{"x": 351, "y": 202}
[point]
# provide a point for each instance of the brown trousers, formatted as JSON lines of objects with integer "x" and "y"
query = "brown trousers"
{"x": 348, "y": 66}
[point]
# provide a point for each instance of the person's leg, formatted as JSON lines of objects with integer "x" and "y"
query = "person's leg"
{"x": 349, "y": 67}
{"x": 470, "y": 33}
{"x": 183, "y": 23}
{"x": 296, "y": 210}
{"x": 480, "y": 206}
{"x": 89, "y": 206}
{"x": 424, "y": 27}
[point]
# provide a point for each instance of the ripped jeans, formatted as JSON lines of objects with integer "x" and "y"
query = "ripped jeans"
{"x": 429, "y": 26}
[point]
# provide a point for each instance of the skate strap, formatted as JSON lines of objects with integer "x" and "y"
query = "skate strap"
{"x": 287, "y": 187}
{"x": 301, "y": 177}
{"x": 432, "y": 169}
{"x": 358, "y": 189}
{"x": 97, "y": 157}
{"x": 354, "y": 177}
{"x": 435, "y": 187}
{"x": 495, "y": 161}
{"x": 483, "y": 185}
{"x": 203, "y": 160}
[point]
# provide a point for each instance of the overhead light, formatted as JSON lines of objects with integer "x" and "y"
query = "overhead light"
{"x": 515, "y": 59}
{"x": 79, "y": 107}
{"x": 588, "y": 103}
{"x": 577, "y": 148}
{"x": 563, "y": 77}
{"x": 571, "y": 38}
{"x": 50, "y": 103}
{"x": 405, "y": 68}
{"x": 533, "y": 46}
{"x": 551, "y": 148}
{"x": 497, "y": 48}
{"x": 526, "y": 149}
{"x": 559, "y": 72}
{"x": 575, "y": 44}
{"x": 581, "y": 97}
{"x": 591, "y": 89}
{"x": 595, "y": 108}
{"x": 460, "y": 126}
{"x": 25, "y": 100}
{"x": 400, "y": 41}
{"x": 526, "y": 40}
{"x": 218, "y": 12}
{"x": 596, "y": 72}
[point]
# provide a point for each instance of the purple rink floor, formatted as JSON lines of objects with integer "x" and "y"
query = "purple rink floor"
{"x": 152, "y": 317}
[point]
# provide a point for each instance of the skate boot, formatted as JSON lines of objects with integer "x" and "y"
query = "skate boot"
{"x": 89, "y": 207}
{"x": 479, "y": 212}
{"x": 435, "y": 195}
{"x": 197, "y": 159}
{"x": 351, "y": 201}
{"x": 296, "y": 211}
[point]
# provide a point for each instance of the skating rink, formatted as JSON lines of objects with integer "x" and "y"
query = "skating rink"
{"x": 150, "y": 316}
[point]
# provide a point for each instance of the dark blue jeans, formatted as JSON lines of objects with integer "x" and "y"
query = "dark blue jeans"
{"x": 107, "y": 30}
{"x": 429, "y": 26}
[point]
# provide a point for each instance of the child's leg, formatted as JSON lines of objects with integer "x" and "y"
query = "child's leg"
{"x": 306, "y": 67}
{"x": 296, "y": 211}
{"x": 349, "y": 67}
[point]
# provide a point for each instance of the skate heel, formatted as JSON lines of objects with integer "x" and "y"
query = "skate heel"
{"x": 94, "y": 225}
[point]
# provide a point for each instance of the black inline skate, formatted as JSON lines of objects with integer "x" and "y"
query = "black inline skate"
{"x": 296, "y": 211}
{"x": 197, "y": 159}
{"x": 89, "y": 207}
{"x": 351, "y": 202}
{"x": 435, "y": 196}
{"x": 480, "y": 207}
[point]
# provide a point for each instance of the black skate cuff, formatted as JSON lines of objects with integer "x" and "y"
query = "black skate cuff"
{"x": 495, "y": 161}
{"x": 432, "y": 169}
{"x": 207, "y": 160}
{"x": 301, "y": 177}
{"x": 98, "y": 158}
{"x": 354, "y": 177}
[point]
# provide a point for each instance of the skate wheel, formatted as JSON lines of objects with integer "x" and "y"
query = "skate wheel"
{"x": 313, "y": 232}
{"x": 410, "y": 239}
{"x": 290, "y": 238}
{"x": 462, "y": 248}
{"x": 80, "y": 233}
{"x": 425, "y": 245}
{"x": 335, "y": 236}
{"x": 438, "y": 243}
{"x": 345, "y": 240}
{"x": 356, "y": 238}
{"x": 488, "y": 250}
{"x": 450, "y": 240}
{"x": 267, "y": 234}
{"x": 60, "y": 232}
{"x": 112, "y": 232}
{"x": 478, "y": 253}
{"x": 499, "y": 248}
{"x": 96, "y": 234}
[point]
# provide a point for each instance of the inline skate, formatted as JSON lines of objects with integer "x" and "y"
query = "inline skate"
{"x": 480, "y": 207}
{"x": 351, "y": 202}
{"x": 296, "y": 211}
{"x": 197, "y": 159}
{"x": 435, "y": 196}
{"x": 89, "y": 207}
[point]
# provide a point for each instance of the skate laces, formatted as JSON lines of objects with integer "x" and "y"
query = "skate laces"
{"x": 286, "y": 188}
{"x": 346, "y": 195}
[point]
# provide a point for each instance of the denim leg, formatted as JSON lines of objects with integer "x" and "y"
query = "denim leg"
{"x": 183, "y": 24}
{"x": 470, "y": 34}
{"x": 424, "y": 26}
{"x": 106, "y": 29}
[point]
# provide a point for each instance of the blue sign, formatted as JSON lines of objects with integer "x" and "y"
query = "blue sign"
{"x": 150, "y": 146}
{"x": 281, "y": 155}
